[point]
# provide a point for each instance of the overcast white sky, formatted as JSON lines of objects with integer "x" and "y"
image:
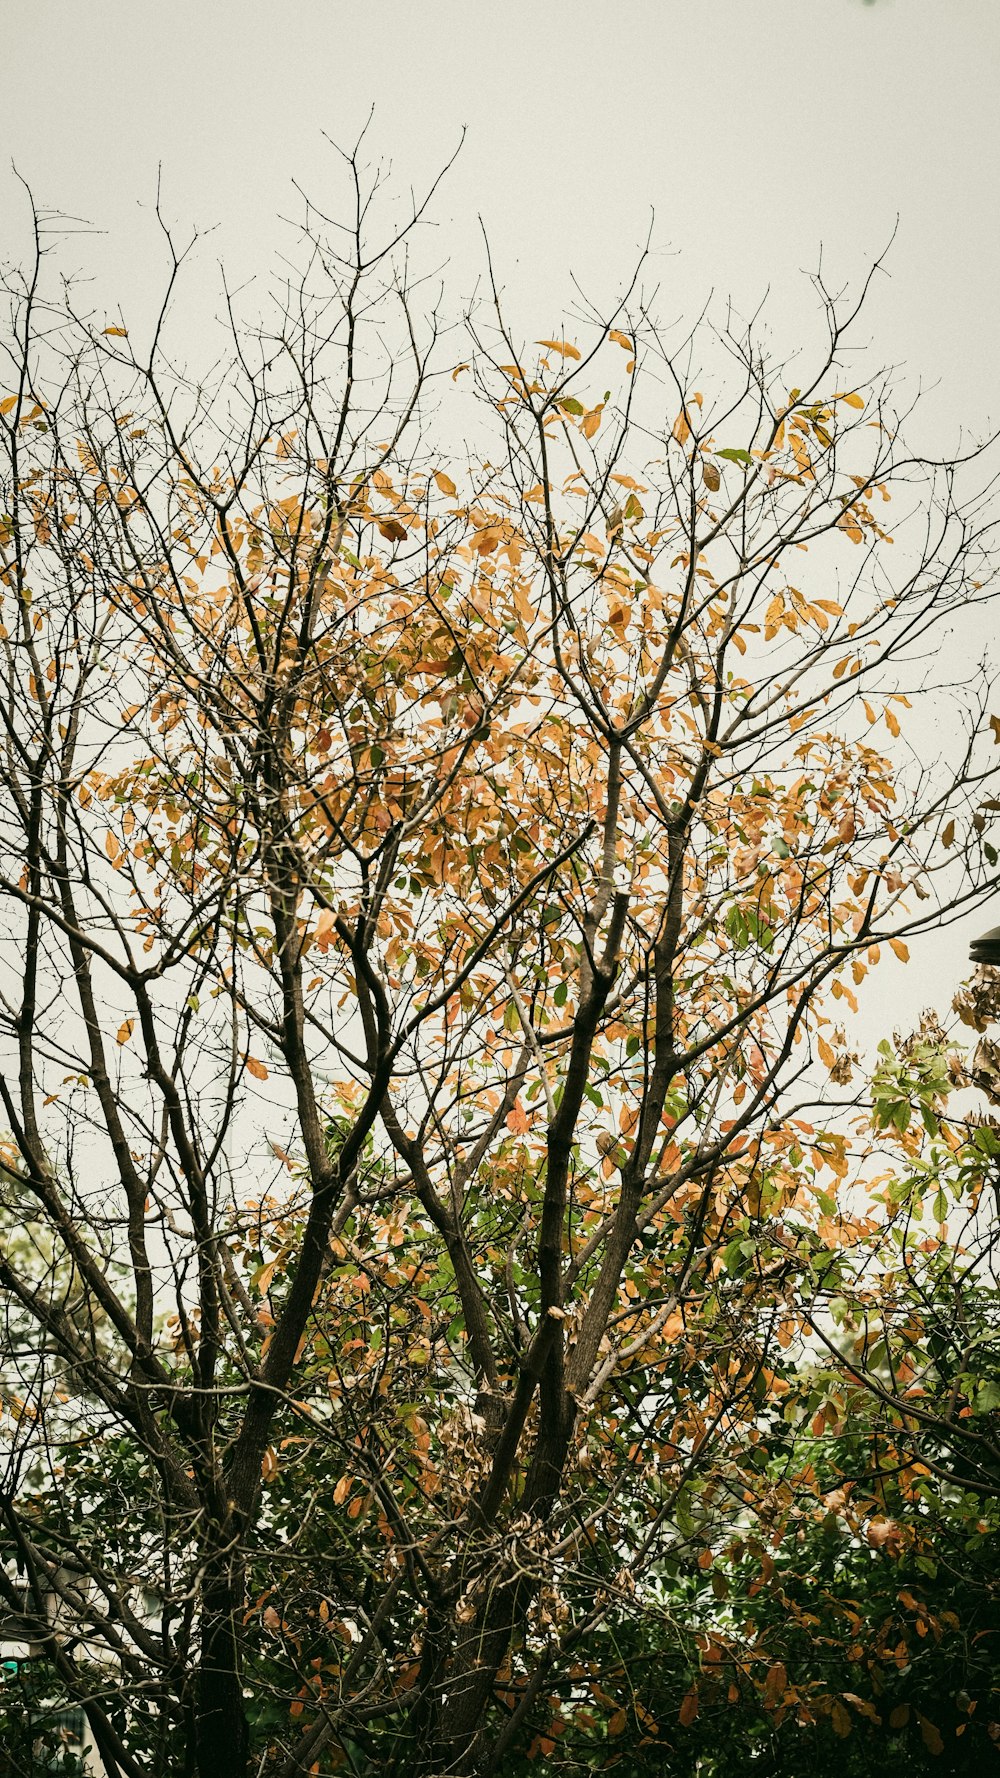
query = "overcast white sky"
{"x": 756, "y": 132}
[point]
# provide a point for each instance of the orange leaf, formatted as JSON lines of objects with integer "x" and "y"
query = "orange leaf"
{"x": 561, "y": 346}
{"x": 518, "y": 1121}
{"x": 445, "y": 483}
{"x": 342, "y": 1490}
{"x": 900, "y": 950}
{"x": 125, "y": 1031}
{"x": 929, "y": 1735}
{"x": 689, "y": 1707}
{"x": 257, "y": 1069}
{"x": 117, "y": 333}
{"x": 775, "y": 1685}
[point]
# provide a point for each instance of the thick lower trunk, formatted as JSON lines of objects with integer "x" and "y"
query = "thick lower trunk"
{"x": 460, "y": 1740}
{"x": 222, "y": 1735}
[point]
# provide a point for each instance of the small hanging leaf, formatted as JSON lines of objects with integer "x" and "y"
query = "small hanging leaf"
{"x": 116, "y": 333}
{"x": 900, "y": 949}
{"x": 125, "y": 1031}
{"x": 445, "y": 484}
{"x": 257, "y": 1069}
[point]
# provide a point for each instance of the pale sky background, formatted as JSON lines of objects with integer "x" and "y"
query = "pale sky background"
{"x": 756, "y": 132}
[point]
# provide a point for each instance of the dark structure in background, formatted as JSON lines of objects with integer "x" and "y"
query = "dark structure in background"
{"x": 986, "y": 949}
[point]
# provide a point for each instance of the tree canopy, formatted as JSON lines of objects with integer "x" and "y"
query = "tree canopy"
{"x": 468, "y": 1304}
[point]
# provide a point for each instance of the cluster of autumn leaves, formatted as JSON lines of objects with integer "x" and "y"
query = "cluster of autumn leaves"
{"x": 385, "y": 770}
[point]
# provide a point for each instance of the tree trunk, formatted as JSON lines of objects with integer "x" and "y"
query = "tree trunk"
{"x": 221, "y": 1730}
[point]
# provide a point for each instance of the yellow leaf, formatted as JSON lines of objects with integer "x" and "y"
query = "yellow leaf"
{"x": 257, "y": 1069}
{"x": 117, "y": 333}
{"x": 841, "y": 1719}
{"x": 112, "y": 848}
{"x": 8, "y": 403}
{"x": 681, "y": 429}
{"x": 445, "y": 483}
{"x": 826, "y": 1054}
{"x": 263, "y": 1280}
{"x": 592, "y": 421}
{"x": 621, "y": 339}
{"x": 562, "y": 346}
{"x": 125, "y": 1031}
{"x": 899, "y": 949}
{"x": 892, "y": 722}
{"x": 852, "y": 400}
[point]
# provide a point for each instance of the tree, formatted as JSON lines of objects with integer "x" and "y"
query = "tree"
{"x": 428, "y": 885}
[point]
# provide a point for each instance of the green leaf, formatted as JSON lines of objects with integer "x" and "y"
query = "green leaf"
{"x": 734, "y": 455}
